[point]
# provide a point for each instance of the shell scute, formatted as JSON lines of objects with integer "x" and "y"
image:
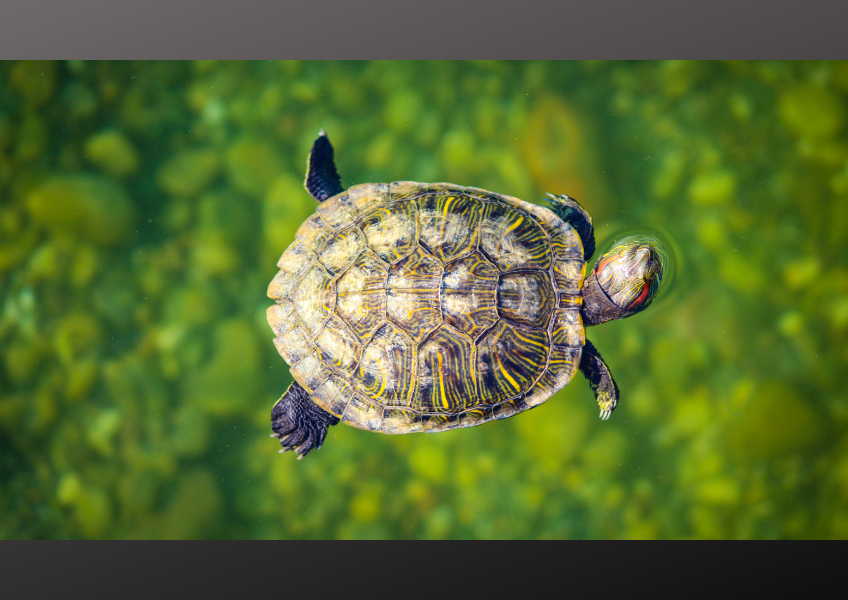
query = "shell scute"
{"x": 295, "y": 260}
{"x": 311, "y": 371}
{"x": 314, "y": 233}
{"x": 339, "y": 252}
{"x": 509, "y": 359}
{"x": 363, "y": 413}
{"x": 392, "y": 231}
{"x": 361, "y": 295}
{"x": 283, "y": 286}
{"x": 526, "y": 298}
{"x": 567, "y": 329}
{"x": 565, "y": 243}
{"x": 475, "y": 416}
{"x": 446, "y": 372}
{"x": 281, "y": 317}
{"x": 338, "y": 346}
{"x": 334, "y": 394}
{"x": 412, "y": 299}
{"x": 368, "y": 196}
{"x": 513, "y": 240}
{"x": 506, "y": 409}
{"x": 402, "y": 189}
{"x": 401, "y": 420}
{"x": 450, "y": 224}
{"x": 314, "y": 299}
{"x": 469, "y": 294}
{"x": 568, "y": 275}
{"x": 339, "y": 211}
{"x": 439, "y": 421}
{"x": 293, "y": 345}
{"x": 386, "y": 371}
{"x": 564, "y": 362}
{"x": 562, "y": 366}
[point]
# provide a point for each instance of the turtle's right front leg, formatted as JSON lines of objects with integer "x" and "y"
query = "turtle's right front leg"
{"x": 600, "y": 379}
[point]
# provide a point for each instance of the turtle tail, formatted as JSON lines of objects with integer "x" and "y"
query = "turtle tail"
{"x": 299, "y": 423}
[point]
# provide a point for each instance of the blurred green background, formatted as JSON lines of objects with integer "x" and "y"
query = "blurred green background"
{"x": 143, "y": 207}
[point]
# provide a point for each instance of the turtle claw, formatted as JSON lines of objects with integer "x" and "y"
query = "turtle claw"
{"x": 600, "y": 380}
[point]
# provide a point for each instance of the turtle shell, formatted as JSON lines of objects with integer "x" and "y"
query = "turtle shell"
{"x": 422, "y": 307}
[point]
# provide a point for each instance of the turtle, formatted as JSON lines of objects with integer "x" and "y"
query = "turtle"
{"x": 404, "y": 307}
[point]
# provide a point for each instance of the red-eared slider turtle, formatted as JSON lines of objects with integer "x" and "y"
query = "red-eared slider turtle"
{"x": 406, "y": 306}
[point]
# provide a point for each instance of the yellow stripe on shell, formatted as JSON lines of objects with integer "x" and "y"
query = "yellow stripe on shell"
{"x": 506, "y": 373}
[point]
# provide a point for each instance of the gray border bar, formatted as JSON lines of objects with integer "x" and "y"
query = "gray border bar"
{"x": 433, "y": 29}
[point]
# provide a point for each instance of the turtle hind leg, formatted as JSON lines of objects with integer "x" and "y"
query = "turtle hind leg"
{"x": 600, "y": 379}
{"x": 322, "y": 179}
{"x": 298, "y": 422}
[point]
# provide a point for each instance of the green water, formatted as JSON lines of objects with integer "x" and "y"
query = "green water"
{"x": 143, "y": 207}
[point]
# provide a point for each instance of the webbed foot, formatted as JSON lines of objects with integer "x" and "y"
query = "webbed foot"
{"x": 600, "y": 379}
{"x": 298, "y": 422}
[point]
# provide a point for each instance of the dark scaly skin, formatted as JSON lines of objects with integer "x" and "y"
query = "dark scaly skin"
{"x": 298, "y": 422}
{"x": 600, "y": 379}
{"x": 322, "y": 179}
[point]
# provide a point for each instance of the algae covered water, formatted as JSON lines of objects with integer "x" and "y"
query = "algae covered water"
{"x": 143, "y": 207}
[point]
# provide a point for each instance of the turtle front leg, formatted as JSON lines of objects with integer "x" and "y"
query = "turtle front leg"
{"x": 298, "y": 422}
{"x": 570, "y": 211}
{"x": 600, "y": 379}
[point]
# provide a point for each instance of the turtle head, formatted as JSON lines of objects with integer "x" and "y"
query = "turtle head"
{"x": 624, "y": 282}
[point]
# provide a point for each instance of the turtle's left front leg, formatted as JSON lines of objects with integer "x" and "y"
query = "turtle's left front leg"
{"x": 600, "y": 379}
{"x": 569, "y": 210}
